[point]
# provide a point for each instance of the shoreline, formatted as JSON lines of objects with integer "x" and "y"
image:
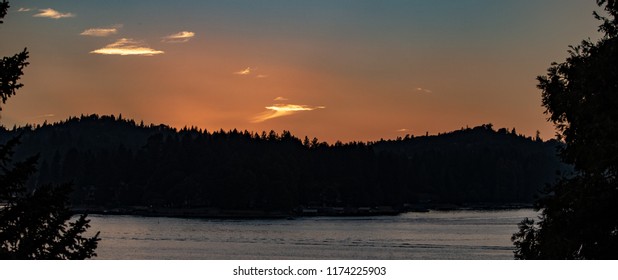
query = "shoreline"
{"x": 215, "y": 213}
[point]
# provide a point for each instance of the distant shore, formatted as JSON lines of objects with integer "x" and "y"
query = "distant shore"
{"x": 216, "y": 213}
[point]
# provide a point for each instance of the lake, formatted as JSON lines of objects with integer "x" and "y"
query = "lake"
{"x": 461, "y": 235}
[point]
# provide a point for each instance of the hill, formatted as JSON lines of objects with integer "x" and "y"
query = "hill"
{"x": 115, "y": 163}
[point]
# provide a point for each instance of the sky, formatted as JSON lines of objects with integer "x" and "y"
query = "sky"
{"x": 332, "y": 69}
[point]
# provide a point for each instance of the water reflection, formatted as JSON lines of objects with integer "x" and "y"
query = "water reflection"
{"x": 432, "y": 235}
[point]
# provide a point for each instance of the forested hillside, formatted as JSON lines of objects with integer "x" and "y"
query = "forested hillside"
{"x": 115, "y": 162}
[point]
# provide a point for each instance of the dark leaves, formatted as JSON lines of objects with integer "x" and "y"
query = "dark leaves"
{"x": 11, "y": 70}
{"x": 4, "y": 6}
{"x": 579, "y": 215}
{"x": 36, "y": 227}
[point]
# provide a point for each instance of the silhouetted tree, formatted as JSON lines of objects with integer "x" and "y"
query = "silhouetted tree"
{"x": 33, "y": 225}
{"x": 579, "y": 218}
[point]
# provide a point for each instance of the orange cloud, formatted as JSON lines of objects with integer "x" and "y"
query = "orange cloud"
{"x": 51, "y": 13}
{"x": 180, "y": 37}
{"x": 43, "y": 116}
{"x": 246, "y": 71}
{"x": 280, "y": 110}
{"x": 423, "y": 90}
{"x": 100, "y": 32}
{"x": 126, "y": 46}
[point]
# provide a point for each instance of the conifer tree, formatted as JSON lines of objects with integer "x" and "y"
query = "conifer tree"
{"x": 34, "y": 224}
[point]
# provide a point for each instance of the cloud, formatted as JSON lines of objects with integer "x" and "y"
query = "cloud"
{"x": 180, "y": 37}
{"x": 42, "y": 116}
{"x": 126, "y": 46}
{"x": 403, "y": 130}
{"x": 24, "y": 10}
{"x": 280, "y": 110}
{"x": 51, "y": 13}
{"x": 280, "y": 98}
{"x": 101, "y": 32}
{"x": 246, "y": 71}
{"x": 423, "y": 90}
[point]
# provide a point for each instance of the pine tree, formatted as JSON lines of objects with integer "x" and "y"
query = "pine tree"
{"x": 36, "y": 224}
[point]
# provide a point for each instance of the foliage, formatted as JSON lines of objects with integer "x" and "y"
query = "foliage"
{"x": 33, "y": 224}
{"x": 579, "y": 218}
{"x": 10, "y": 72}
{"x": 115, "y": 162}
{"x": 4, "y": 6}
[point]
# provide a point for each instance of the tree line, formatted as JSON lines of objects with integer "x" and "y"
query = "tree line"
{"x": 114, "y": 162}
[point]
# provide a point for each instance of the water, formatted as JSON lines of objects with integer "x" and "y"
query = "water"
{"x": 433, "y": 235}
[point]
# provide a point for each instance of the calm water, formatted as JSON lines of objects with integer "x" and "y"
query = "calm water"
{"x": 433, "y": 235}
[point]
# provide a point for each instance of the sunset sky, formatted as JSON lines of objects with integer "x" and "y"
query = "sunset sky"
{"x": 336, "y": 70}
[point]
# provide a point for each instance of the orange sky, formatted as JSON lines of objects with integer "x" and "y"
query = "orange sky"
{"x": 360, "y": 70}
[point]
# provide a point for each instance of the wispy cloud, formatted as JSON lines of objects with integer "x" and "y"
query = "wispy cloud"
{"x": 280, "y": 110}
{"x": 403, "y": 130}
{"x": 51, "y": 13}
{"x": 423, "y": 90}
{"x": 180, "y": 37}
{"x": 280, "y": 98}
{"x": 126, "y": 46}
{"x": 42, "y": 116}
{"x": 246, "y": 71}
{"x": 101, "y": 32}
{"x": 24, "y": 10}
